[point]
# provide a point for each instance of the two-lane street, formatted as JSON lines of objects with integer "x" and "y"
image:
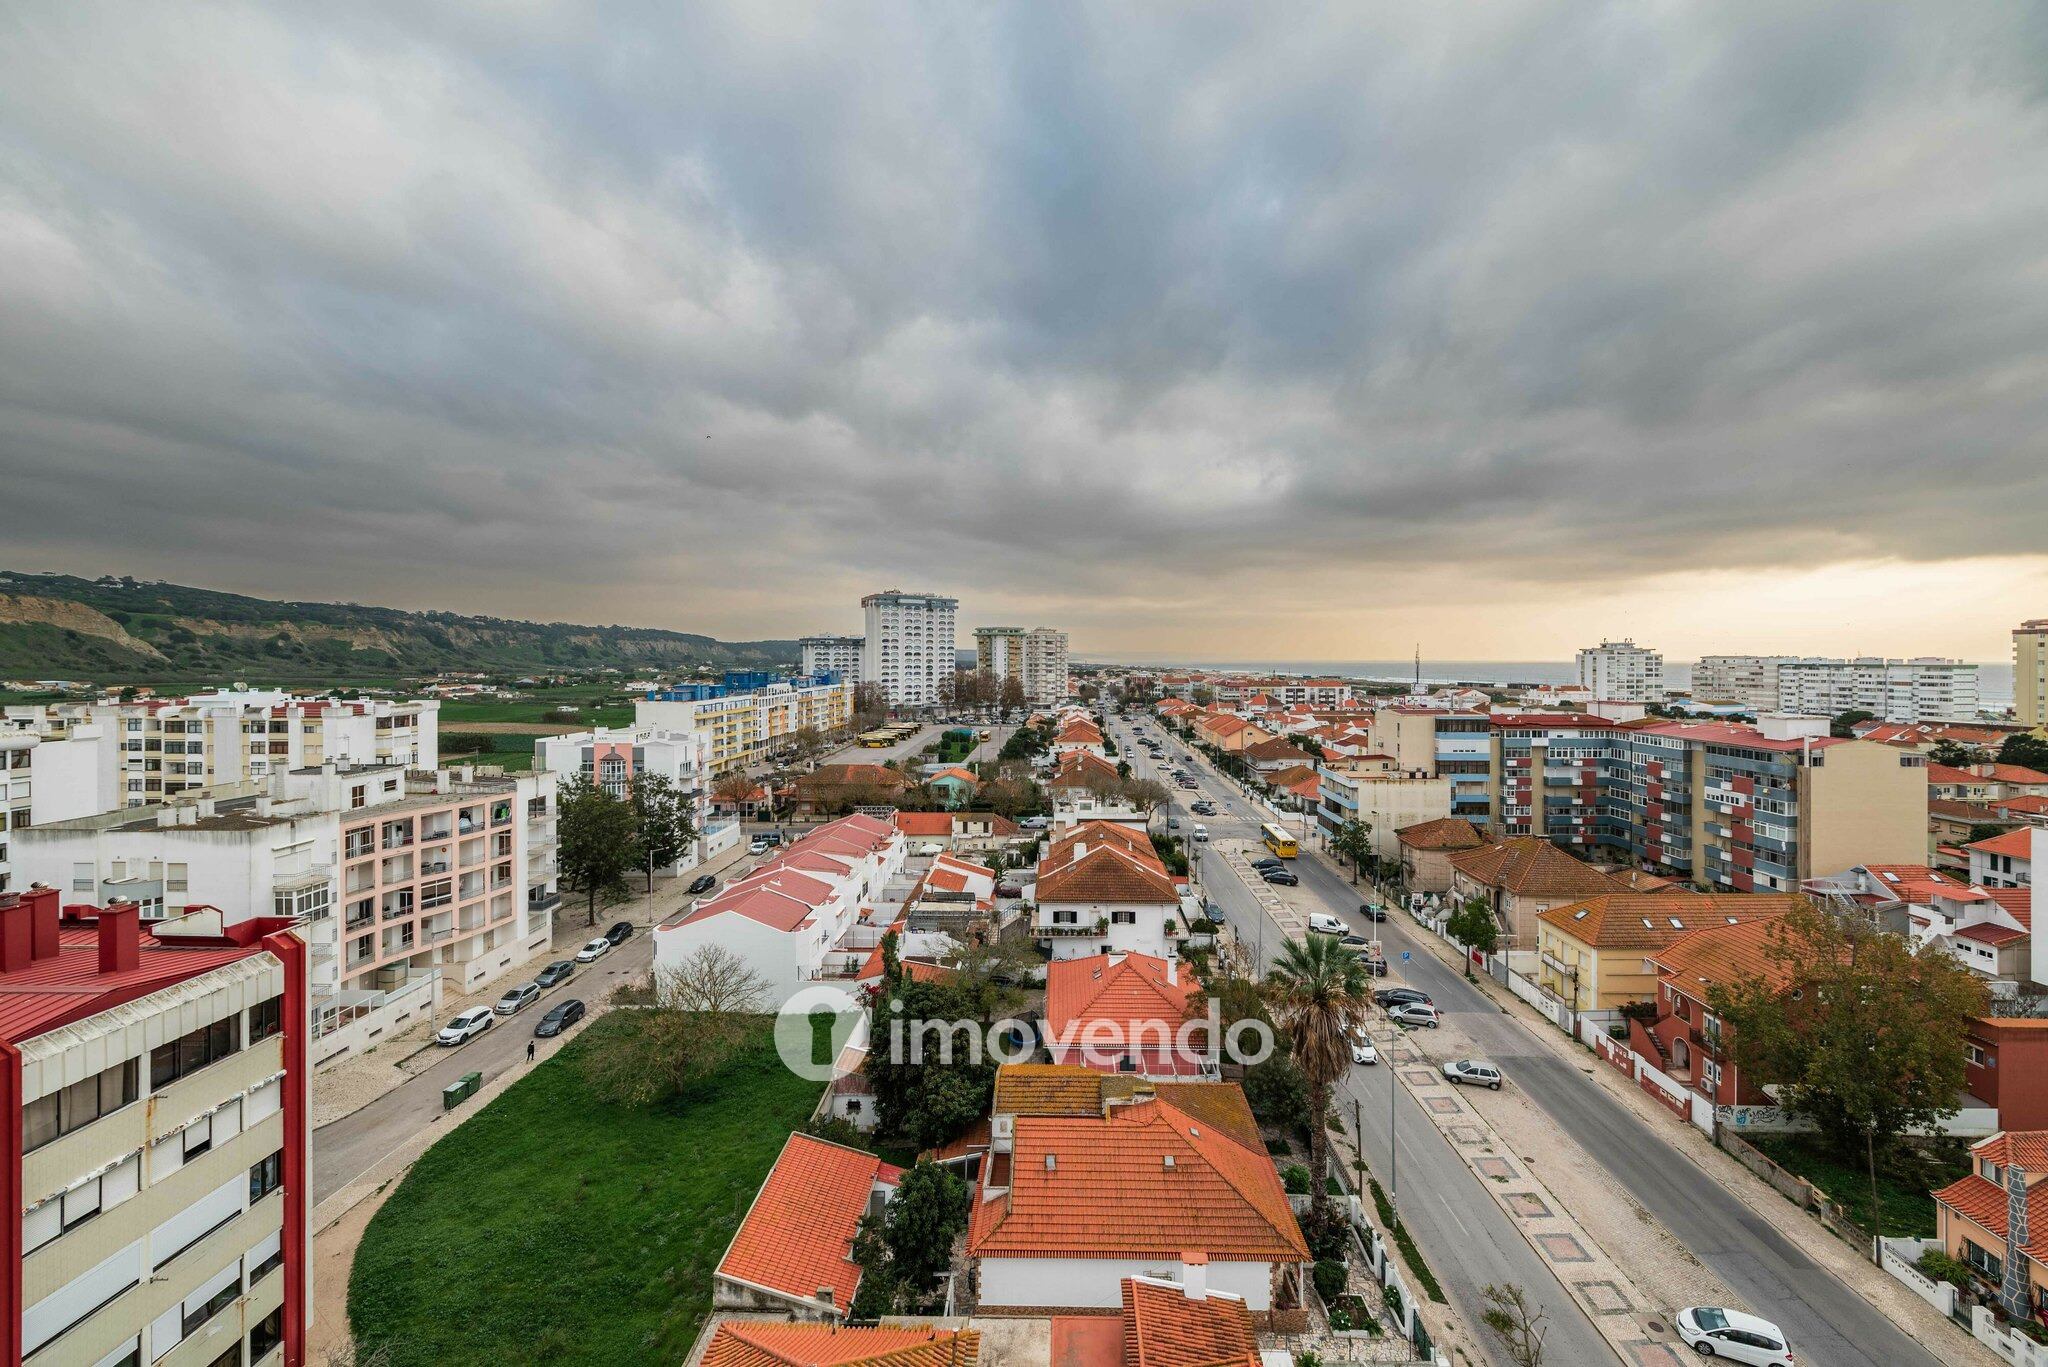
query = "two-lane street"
{"x": 1829, "y": 1324}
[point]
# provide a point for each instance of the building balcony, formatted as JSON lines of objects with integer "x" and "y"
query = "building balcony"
{"x": 1059, "y": 931}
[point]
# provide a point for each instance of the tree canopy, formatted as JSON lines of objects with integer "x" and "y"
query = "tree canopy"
{"x": 1320, "y": 994}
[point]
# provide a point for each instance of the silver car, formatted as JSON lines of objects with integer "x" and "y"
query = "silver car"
{"x": 1473, "y": 1072}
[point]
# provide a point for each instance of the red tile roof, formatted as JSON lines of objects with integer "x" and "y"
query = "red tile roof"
{"x": 1106, "y": 873}
{"x": 924, "y": 823}
{"x": 2019, "y": 844}
{"x": 1919, "y": 884}
{"x": 2025, "y": 1148}
{"x": 1103, "y": 1187}
{"x": 1444, "y": 833}
{"x": 1653, "y": 920}
{"x": 1164, "y": 1328}
{"x": 1722, "y": 955}
{"x": 798, "y": 1234}
{"x": 1531, "y": 866}
{"x": 1128, "y": 992}
{"x": 765, "y": 1343}
{"x": 1087, "y": 1341}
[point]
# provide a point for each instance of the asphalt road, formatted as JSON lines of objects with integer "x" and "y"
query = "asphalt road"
{"x": 1467, "y": 1238}
{"x": 349, "y": 1147}
{"x": 1828, "y": 1324}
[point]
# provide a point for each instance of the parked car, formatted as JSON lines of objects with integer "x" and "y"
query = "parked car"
{"x": 1268, "y": 862}
{"x": 1187, "y": 783}
{"x": 465, "y": 1027}
{"x": 1394, "y": 996}
{"x": 1713, "y": 1332}
{"x": 1286, "y": 878}
{"x": 1322, "y": 923}
{"x": 1173, "y": 823}
{"x": 1203, "y": 808}
{"x": 620, "y": 932}
{"x": 1201, "y": 832}
{"x": 517, "y": 999}
{"x": 703, "y": 882}
{"x": 1372, "y": 911}
{"x": 1473, "y": 1072}
{"x": 1034, "y": 823}
{"x": 1414, "y": 1013}
{"x": 757, "y": 846}
{"x": 560, "y": 1017}
{"x": 1362, "y": 1050}
{"x": 1355, "y": 941}
{"x": 594, "y": 951}
{"x": 557, "y": 972}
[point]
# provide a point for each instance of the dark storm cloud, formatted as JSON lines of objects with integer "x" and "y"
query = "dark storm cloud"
{"x": 592, "y": 307}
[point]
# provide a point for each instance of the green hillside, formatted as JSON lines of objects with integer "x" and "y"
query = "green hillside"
{"x": 124, "y": 630}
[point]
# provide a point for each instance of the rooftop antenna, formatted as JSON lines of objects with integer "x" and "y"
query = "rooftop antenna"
{"x": 1418, "y": 667}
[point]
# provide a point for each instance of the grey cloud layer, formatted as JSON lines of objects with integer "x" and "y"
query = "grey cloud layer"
{"x": 586, "y": 305}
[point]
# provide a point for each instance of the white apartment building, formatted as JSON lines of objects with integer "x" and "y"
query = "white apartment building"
{"x": 1751, "y": 680}
{"x": 748, "y": 726}
{"x": 613, "y": 757}
{"x": 2030, "y": 672}
{"x": 397, "y": 881}
{"x": 1036, "y": 658}
{"x": 1926, "y": 688}
{"x": 909, "y": 648}
{"x": 839, "y": 655}
{"x": 169, "y": 746}
{"x": 50, "y": 774}
{"x": 1622, "y": 671}
{"x": 161, "y": 1187}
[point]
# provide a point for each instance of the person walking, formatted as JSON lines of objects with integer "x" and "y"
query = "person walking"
{"x": 529, "y": 1051}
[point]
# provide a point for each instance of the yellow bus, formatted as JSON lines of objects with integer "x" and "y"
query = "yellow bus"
{"x": 877, "y": 740}
{"x": 1280, "y": 841}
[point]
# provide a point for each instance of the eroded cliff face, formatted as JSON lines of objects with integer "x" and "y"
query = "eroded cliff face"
{"x": 70, "y": 616}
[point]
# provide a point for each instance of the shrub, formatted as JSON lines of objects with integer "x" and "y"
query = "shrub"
{"x": 1295, "y": 1177}
{"x": 1331, "y": 1276}
{"x": 1938, "y": 1265}
{"x": 1340, "y": 1321}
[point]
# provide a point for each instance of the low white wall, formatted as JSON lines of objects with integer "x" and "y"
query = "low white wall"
{"x": 1095, "y": 1283}
{"x": 1899, "y": 1257}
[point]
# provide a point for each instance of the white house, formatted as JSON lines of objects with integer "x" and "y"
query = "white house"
{"x": 793, "y": 920}
{"x": 1102, "y": 888}
{"x": 2007, "y": 861}
{"x": 1070, "y": 1205}
{"x": 612, "y": 756}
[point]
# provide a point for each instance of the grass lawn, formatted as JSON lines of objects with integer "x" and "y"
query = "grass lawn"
{"x": 593, "y": 706}
{"x": 512, "y": 751}
{"x": 550, "y": 1228}
{"x": 1903, "y": 1184}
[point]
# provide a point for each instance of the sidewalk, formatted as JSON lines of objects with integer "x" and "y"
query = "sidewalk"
{"x": 1893, "y": 1299}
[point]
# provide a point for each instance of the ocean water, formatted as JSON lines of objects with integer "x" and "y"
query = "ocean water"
{"x": 1994, "y": 680}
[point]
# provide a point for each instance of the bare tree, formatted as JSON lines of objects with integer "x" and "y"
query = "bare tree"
{"x": 712, "y": 979}
{"x": 347, "y": 1354}
{"x": 870, "y": 706}
{"x": 1508, "y": 1314}
{"x": 1103, "y": 787}
{"x": 1148, "y": 795}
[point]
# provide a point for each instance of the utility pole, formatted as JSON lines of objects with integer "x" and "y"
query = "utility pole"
{"x": 1393, "y": 1135}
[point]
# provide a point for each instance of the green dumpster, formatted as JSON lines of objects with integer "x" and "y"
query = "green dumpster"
{"x": 460, "y": 1090}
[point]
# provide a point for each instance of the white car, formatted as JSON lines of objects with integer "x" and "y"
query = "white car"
{"x": 757, "y": 847}
{"x": 1413, "y": 1013}
{"x": 466, "y": 1026}
{"x": 1322, "y": 923}
{"x": 1034, "y": 823}
{"x": 1201, "y": 832}
{"x": 1362, "y": 1050}
{"x": 931, "y": 847}
{"x": 1473, "y": 1072}
{"x": 1713, "y": 1332}
{"x": 594, "y": 951}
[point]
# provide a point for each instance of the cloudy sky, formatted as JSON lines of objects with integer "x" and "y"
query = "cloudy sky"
{"x": 1229, "y": 332}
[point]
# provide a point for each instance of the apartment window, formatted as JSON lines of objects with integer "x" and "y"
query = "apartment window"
{"x": 189, "y": 1053}
{"x": 198, "y": 1138}
{"x": 266, "y": 1018}
{"x": 266, "y": 1177}
{"x": 1066, "y": 918}
{"x": 271, "y": 1262}
{"x": 268, "y": 1334}
{"x": 1989, "y": 1264}
{"x": 198, "y": 1315}
{"x": 1123, "y": 918}
{"x": 359, "y": 796}
{"x": 83, "y": 1102}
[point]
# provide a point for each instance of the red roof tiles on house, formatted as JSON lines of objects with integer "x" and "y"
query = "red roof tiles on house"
{"x": 1163, "y": 1327}
{"x": 2018, "y": 844}
{"x": 798, "y": 1235}
{"x": 760, "y": 1343}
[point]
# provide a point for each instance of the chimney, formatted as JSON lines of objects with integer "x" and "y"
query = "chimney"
{"x": 1194, "y": 1276}
{"x": 15, "y": 938}
{"x": 825, "y": 1294}
{"x": 120, "y": 924}
{"x": 43, "y": 915}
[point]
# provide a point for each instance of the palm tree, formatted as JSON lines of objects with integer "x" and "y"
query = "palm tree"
{"x": 1320, "y": 993}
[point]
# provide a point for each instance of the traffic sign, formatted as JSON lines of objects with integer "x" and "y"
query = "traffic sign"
{"x": 1406, "y": 956}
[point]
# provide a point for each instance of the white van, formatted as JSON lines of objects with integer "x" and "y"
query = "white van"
{"x": 1322, "y": 923}
{"x": 1201, "y": 832}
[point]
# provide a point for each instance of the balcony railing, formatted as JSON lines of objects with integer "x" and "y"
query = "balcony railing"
{"x": 1059, "y": 930}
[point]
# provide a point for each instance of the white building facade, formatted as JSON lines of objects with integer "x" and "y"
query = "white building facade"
{"x": 909, "y": 646}
{"x": 1927, "y": 688}
{"x": 1622, "y": 671}
{"x": 839, "y": 655}
{"x": 612, "y": 757}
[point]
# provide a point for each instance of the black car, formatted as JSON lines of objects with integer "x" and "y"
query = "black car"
{"x": 1395, "y": 996}
{"x": 1284, "y": 877}
{"x": 1269, "y": 863}
{"x": 620, "y": 932}
{"x": 703, "y": 882}
{"x": 560, "y": 1017}
{"x": 1372, "y": 911}
{"x": 556, "y": 972}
